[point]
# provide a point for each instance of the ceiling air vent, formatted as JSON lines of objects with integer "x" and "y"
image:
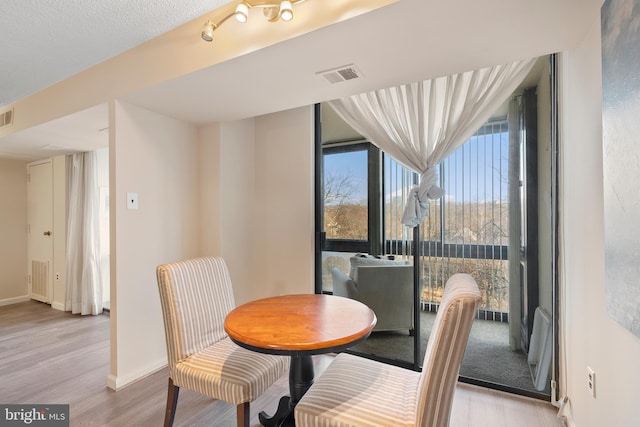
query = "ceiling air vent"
{"x": 6, "y": 118}
{"x": 341, "y": 74}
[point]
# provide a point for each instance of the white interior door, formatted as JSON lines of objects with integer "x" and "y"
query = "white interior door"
{"x": 40, "y": 240}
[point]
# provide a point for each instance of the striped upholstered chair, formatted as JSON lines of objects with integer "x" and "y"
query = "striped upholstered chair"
{"x": 354, "y": 391}
{"x": 196, "y": 296}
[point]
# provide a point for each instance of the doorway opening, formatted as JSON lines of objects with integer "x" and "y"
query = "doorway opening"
{"x": 491, "y": 223}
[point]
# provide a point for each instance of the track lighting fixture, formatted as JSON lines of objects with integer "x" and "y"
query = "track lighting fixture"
{"x": 242, "y": 12}
{"x": 286, "y": 11}
{"x": 273, "y": 11}
{"x": 207, "y": 31}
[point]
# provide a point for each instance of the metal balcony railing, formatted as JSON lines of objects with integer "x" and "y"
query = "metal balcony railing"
{"x": 467, "y": 229}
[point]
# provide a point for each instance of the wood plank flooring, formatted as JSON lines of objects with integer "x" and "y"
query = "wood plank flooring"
{"x": 47, "y": 356}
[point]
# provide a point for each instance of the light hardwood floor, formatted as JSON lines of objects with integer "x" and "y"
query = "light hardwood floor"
{"x": 47, "y": 357}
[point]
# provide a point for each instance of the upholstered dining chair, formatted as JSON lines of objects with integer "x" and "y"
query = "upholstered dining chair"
{"x": 196, "y": 295}
{"x": 354, "y": 391}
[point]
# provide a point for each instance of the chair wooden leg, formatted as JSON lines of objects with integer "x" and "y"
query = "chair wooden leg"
{"x": 244, "y": 414}
{"x": 172, "y": 401}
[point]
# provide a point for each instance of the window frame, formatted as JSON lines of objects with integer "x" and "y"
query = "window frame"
{"x": 373, "y": 244}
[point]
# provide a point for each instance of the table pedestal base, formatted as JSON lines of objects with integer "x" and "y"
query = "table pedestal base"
{"x": 283, "y": 416}
{"x": 300, "y": 379}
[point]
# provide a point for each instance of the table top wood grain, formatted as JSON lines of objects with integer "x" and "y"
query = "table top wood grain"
{"x": 309, "y": 323}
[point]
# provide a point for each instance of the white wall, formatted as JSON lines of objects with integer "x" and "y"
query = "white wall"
{"x": 13, "y": 231}
{"x": 156, "y": 157}
{"x": 284, "y": 204}
{"x": 242, "y": 190}
{"x": 258, "y": 214}
{"x": 209, "y": 188}
{"x": 59, "y": 231}
{"x": 593, "y": 338}
{"x": 238, "y": 204}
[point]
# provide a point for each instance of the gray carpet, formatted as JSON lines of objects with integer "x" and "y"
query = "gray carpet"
{"x": 487, "y": 357}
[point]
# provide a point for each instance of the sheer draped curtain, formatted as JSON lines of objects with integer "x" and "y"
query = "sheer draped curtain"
{"x": 420, "y": 124}
{"x": 84, "y": 275}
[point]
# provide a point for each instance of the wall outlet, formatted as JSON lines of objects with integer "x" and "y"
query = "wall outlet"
{"x": 591, "y": 381}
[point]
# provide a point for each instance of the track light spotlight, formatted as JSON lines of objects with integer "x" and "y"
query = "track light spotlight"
{"x": 242, "y": 12}
{"x": 207, "y": 31}
{"x": 286, "y": 11}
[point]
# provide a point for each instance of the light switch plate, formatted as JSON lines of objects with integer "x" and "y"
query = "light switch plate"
{"x": 132, "y": 200}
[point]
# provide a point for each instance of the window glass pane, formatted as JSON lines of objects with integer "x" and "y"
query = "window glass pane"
{"x": 345, "y": 195}
{"x": 398, "y": 182}
{"x": 476, "y": 189}
{"x": 467, "y": 230}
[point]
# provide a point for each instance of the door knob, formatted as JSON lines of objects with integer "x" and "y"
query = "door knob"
{"x": 47, "y": 233}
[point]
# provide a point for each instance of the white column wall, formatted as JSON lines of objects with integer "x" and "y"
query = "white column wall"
{"x": 209, "y": 174}
{"x": 13, "y": 229}
{"x": 262, "y": 202}
{"x": 238, "y": 203}
{"x": 59, "y": 232}
{"x": 284, "y": 200}
{"x": 156, "y": 157}
{"x": 592, "y": 337}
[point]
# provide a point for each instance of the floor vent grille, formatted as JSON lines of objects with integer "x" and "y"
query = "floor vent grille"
{"x": 40, "y": 274}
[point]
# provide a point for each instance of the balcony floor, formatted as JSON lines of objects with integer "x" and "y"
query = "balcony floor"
{"x": 488, "y": 356}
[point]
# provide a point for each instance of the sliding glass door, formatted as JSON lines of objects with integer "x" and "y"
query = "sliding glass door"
{"x": 477, "y": 227}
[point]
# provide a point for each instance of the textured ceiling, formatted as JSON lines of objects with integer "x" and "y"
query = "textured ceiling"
{"x": 406, "y": 41}
{"x": 44, "y": 42}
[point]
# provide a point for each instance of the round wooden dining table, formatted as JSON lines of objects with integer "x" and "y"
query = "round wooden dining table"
{"x": 298, "y": 326}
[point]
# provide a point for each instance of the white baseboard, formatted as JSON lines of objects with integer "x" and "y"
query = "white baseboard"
{"x": 119, "y": 382}
{"x": 15, "y": 300}
{"x": 58, "y": 306}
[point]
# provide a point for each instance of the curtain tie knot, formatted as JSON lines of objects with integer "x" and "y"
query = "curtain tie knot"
{"x": 417, "y": 207}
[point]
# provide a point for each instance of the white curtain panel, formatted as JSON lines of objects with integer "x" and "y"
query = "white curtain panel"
{"x": 84, "y": 276}
{"x": 420, "y": 124}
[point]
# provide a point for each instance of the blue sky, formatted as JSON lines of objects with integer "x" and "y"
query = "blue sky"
{"x": 479, "y": 183}
{"x": 352, "y": 164}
